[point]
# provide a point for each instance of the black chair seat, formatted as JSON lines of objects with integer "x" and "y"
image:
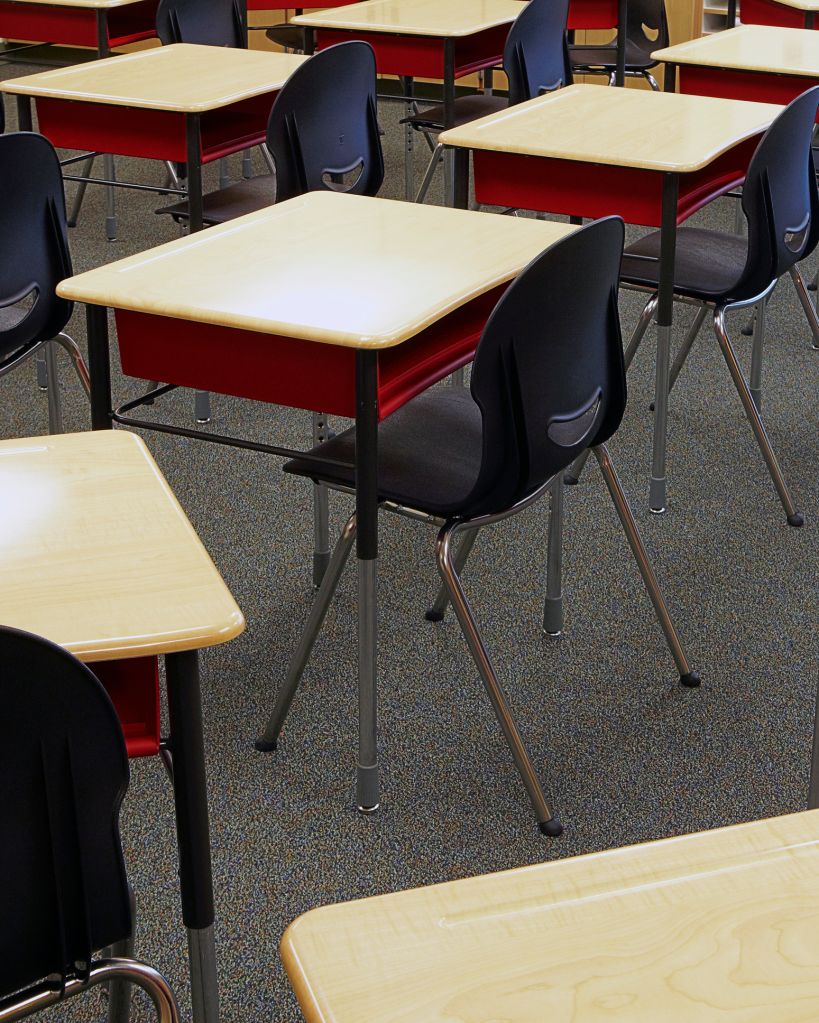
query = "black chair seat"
{"x": 707, "y": 266}
{"x": 229, "y": 203}
{"x": 605, "y": 56}
{"x": 467, "y": 108}
{"x": 429, "y": 453}
{"x": 291, "y": 37}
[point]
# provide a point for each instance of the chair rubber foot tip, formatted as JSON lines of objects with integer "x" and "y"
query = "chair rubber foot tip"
{"x": 266, "y": 745}
{"x": 651, "y": 407}
{"x": 797, "y": 519}
{"x": 552, "y": 828}
{"x": 434, "y": 615}
{"x": 570, "y": 481}
{"x": 691, "y": 679}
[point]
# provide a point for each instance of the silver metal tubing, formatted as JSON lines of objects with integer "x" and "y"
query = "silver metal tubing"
{"x": 247, "y": 163}
{"x": 55, "y": 402}
{"x": 224, "y": 172}
{"x": 367, "y": 784}
{"x": 321, "y": 510}
{"x": 110, "y": 199}
{"x": 756, "y": 354}
{"x": 641, "y": 557}
{"x": 807, "y": 305}
{"x": 466, "y": 620}
{"x": 553, "y": 603}
{"x": 646, "y": 316}
{"x": 201, "y": 407}
{"x": 133, "y": 185}
{"x": 437, "y": 155}
{"x": 119, "y": 991}
{"x": 77, "y": 361}
{"x": 409, "y": 131}
{"x": 42, "y": 370}
{"x": 173, "y": 177}
{"x": 439, "y": 606}
{"x": 687, "y": 345}
{"x": 751, "y": 411}
{"x": 813, "y": 789}
{"x": 268, "y": 739}
{"x": 105, "y": 970}
{"x": 652, "y": 81}
{"x": 204, "y": 986}
{"x": 76, "y": 206}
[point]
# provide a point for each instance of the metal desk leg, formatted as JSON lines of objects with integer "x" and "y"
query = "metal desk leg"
{"x": 366, "y": 504}
{"x": 104, "y": 50}
{"x": 813, "y": 791}
{"x": 192, "y": 829}
{"x": 449, "y": 118}
{"x": 99, "y": 367}
{"x": 25, "y": 121}
{"x": 622, "y": 18}
{"x": 665, "y": 316}
{"x": 731, "y": 20}
{"x": 670, "y": 78}
{"x": 409, "y": 131}
{"x": 553, "y": 604}
{"x": 193, "y": 146}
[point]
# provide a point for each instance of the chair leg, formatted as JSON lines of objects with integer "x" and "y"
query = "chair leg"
{"x": 73, "y": 216}
{"x": 321, "y": 510}
{"x": 813, "y": 789}
{"x": 687, "y": 676}
{"x": 652, "y": 81}
{"x": 119, "y": 991}
{"x": 572, "y": 474}
{"x": 77, "y": 361}
{"x": 756, "y": 354}
{"x": 807, "y": 305}
{"x": 547, "y": 822}
{"x": 553, "y": 604}
{"x": 269, "y": 738}
{"x": 430, "y": 172}
{"x": 436, "y": 612}
{"x": 795, "y": 518}
{"x": 55, "y": 402}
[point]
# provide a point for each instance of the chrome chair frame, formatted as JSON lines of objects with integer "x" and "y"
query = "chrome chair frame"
{"x": 51, "y": 376}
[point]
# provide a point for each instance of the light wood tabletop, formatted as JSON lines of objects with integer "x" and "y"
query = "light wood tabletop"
{"x": 751, "y": 48}
{"x": 341, "y": 269}
{"x": 182, "y": 78}
{"x": 719, "y": 927}
{"x": 97, "y": 555}
{"x": 622, "y": 127}
{"x": 442, "y": 20}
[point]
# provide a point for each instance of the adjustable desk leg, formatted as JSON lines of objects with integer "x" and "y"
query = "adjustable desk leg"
{"x": 25, "y": 121}
{"x": 553, "y": 604}
{"x": 99, "y": 367}
{"x": 665, "y": 316}
{"x": 104, "y": 50}
{"x": 409, "y": 131}
{"x": 192, "y": 829}
{"x": 193, "y": 147}
{"x": 620, "y": 69}
{"x": 366, "y": 504}
{"x": 449, "y": 118}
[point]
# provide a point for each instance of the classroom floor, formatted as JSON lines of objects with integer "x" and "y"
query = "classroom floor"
{"x": 626, "y": 754}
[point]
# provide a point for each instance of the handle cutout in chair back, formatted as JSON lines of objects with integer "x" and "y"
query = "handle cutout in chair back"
{"x": 572, "y": 428}
{"x": 343, "y": 179}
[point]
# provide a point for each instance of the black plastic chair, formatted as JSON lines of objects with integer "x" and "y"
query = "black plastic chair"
{"x": 646, "y": 31}
{"x": 548, "y": 382}
{"x": 63, "y": 776}
{"x": 535, "y": 61}
{"x": 322, "y": 134}
{"x": 34, "y": 258}
{"x": 204, "y": 22}
{"x": 728, "y": 271}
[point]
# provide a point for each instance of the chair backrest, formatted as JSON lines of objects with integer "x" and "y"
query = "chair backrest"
{"x": 63, "y": 775}
{"x": 324, "y": 126}
{"x": 536, "y": 55}
{"x": 780, "y": 198}
{"x": 205, "y": 22}
{"x": 34, "y": 254}
{"x": 548, "y": 374}
{"x": 651, "y": 15}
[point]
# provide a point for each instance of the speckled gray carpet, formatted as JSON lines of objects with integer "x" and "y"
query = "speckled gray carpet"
{"x": 626, "y": 754}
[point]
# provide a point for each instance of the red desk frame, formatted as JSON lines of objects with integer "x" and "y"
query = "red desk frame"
{"x": 100, "y": 28}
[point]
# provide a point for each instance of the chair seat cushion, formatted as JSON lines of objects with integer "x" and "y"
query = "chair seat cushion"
{"x": 229, "y": 203}
{"x": 467, "y": 108}
{"x": 429, "y": 453}
{"x": 291, "y": 37}
{"x": 707, "y": 266}
{"x": 605, "y": 56}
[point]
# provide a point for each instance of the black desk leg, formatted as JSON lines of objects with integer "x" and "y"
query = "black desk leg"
{"x": 732, "y": 13}
{"x": 670, "y": 78}
{"x": 309, "y": 41}
{"x": 366, "y": 506}
{"x": 25, "y": 122}
{"x": 449, "y": 117}
{"x": 460, "y": 159}
{"x": 193, "y": 167}
{"x": 99, "y": 366}
{"x": 109, "y": 167}
{"x": 192, "y": 829}
{"x": 809, "y": 19}
{"x": 665, "y": 316}
{"x": 622, "y": 19}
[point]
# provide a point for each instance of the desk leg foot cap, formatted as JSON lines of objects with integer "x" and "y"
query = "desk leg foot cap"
{"x": 368, "y": 809}
{"x": 552, "y": 828}
{"x": 266, "y": 745}
{"x": 691, "y": 679}
{"x": 797, "y": 519}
